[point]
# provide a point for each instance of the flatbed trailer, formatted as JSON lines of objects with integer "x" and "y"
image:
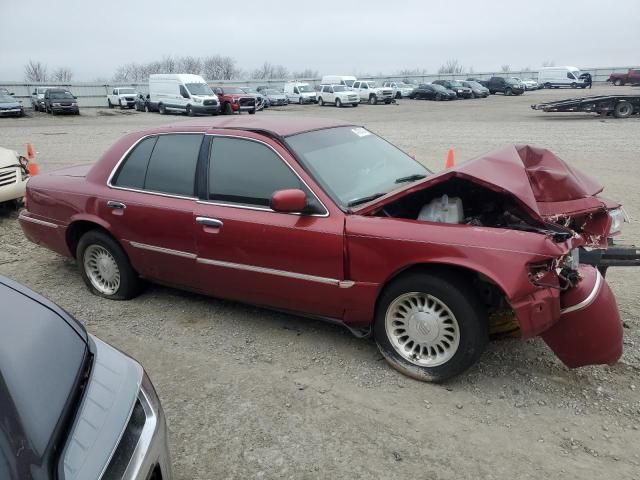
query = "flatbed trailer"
{"x": 620, "y": 106}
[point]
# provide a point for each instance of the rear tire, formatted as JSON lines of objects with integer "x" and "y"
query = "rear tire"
{"x": 618, "y": 82}
{"x": 398, "y": 96}
{"x": 431, "y": 327}
{"x": 574, "y": 85}
{"x": 252, "y": 112}
{"x": 354, "y": 104}
{"x": 300, "y": 102}
{"x": 228, "y": 109}
{"x": 547, "y": 85}
{"x": 623, "y": 109}
{"x": 109, "y": 103}
{"x": 105, "y": 267}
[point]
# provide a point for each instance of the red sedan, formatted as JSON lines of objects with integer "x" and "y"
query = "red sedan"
{"x": 326, "y": 219}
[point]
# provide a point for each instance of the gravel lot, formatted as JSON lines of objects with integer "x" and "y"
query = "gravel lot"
{"x": 254, "y": 394}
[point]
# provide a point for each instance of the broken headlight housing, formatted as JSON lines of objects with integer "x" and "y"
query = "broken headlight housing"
{"x": 618, "y": 217}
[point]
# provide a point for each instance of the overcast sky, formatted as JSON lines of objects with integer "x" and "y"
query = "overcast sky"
{"x": 94, "y": 38}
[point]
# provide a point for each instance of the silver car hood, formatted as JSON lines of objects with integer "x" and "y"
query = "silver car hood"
{"x": 111, "y": 394}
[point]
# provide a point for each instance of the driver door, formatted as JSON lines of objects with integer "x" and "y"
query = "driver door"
{"x": 248, "y": 252}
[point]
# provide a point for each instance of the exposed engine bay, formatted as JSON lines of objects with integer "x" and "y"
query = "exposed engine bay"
{"x": 462, "y": 201}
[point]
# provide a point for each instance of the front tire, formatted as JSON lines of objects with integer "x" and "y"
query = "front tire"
{"x": 508, "y": 92}
{"x": 109, "y": 103}
{"x": 228, "y": 109}
{"x": 431, "y": 327}
{"x": 338, "y": 103}
{"x": 105, "y": 267}
{"x": 162, "y": 110}
{"x": 321, "y": 102}
{"x": 618, "y": 83}
{"x": 373, "y": 100}
{"x": 189, "y": 111}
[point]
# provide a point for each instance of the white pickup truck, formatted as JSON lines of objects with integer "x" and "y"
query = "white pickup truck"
{"x": 124, "y": 97}
{"x": 370, "y": 92}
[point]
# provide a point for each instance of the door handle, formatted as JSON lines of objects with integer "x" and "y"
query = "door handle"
{"x": 209, "y": 222}
{"x": 116, "y": 205}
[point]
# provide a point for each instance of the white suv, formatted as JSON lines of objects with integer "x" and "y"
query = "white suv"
{"x": 339, "y": 95}
{"x": 369, "y": 92}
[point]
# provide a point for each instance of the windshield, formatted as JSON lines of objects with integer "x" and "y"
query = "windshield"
{"x": 232, "y": 90}
{"x": 339, "y": 88}
{"x": 455, "y": 83}
{"x": 352, "y": 164}
{"x": 272, "y": 92}
{"x": 438, "y": 87}
{"x": 127, "y": 91}
{"x": 248, "y": 90}
{"x": 61, "y": 96}
{"x": 371, "y": 84}
{"x": 40, "y": 358}
{"x": 512, "y": 81}
{"x": 6, "y": 98}
{"x": 472, "y": 84}
{"x": 305, "y": 88}
{"x": 199, "y": 89}
{"x": 349, "y": 83}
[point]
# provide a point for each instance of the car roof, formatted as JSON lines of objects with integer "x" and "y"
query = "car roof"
{"x": 276, "y": 126}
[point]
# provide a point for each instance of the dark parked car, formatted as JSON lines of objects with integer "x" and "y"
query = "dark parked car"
{"x": 455, "y": 86}
{"x": 72, "y": 406}
{"x": 429, "y": 91}
{"x": 508, "y": 86}
{"x": 477, "y": 89}
{"x": 10, "y": 107}
{"x": 59, "y": 100}
{"x": 327, "y": 219}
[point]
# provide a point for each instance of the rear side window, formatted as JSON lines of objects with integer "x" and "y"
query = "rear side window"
{"x": 134, "y": 168}
{"x": 247, "y": 172}
{"x": 172, "y": 166}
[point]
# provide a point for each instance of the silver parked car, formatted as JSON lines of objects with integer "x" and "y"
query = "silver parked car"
{"x": 72, "y": 406}
{"x": 275, "y": 97}
{"x": 37, "y": 98}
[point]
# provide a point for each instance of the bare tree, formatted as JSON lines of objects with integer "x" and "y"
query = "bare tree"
{"x": 505, "y": 68}
{"x": 190, "y": 65}
{"x": 168, "y": 65}
{"x": 35, "y": 71}
{"x": 217, "y": 67}
{"x": 526, "y": 69}
{"x": 270, "y": 71}
{"x": 451, "y": 66}
{"x": 549, "y": 63}
{"x": 62, "y": 75}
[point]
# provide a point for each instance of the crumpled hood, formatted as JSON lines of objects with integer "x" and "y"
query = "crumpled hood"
{"x": 546, "y": 185}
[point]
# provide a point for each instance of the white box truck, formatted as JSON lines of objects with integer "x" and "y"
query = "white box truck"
{"x": 556, "y": 77}
{"x": 181, "y": 92}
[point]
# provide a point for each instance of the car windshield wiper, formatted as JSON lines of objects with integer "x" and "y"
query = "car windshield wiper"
{"x": 368, "y": 198}
{"x": 411, "y": 178}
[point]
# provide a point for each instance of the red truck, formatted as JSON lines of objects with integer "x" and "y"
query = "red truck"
{"x": 233, "y": 99}
{"x": 631, "y": 77}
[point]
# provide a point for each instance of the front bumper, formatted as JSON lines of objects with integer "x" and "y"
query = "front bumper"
{"x": 64, "y": 109}
{"x": 589, "y": 331}
{"x": 11, "y": 112}
{"x": 210, "y": 109}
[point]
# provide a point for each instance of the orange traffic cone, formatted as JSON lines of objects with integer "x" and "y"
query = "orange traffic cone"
{"x": 31, "y": 156}
{"x": 450, "y": 159}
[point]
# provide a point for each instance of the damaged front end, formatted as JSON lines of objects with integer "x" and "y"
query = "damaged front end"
{"x": 525, "y": 189}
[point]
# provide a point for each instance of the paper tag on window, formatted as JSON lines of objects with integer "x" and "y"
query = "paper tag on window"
{"x": 361, "y": 132}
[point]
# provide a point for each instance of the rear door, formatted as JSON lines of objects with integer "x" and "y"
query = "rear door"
{"x": 248, "y": 252}
{"x": 150, "y": 207}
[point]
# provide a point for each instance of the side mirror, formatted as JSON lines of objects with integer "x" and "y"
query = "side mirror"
{"x": 289, "y": 201}
{"x": 75, "y": 97}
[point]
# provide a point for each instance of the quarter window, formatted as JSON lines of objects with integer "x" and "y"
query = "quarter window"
{"x": 247, "y": 172}
{"x": 134, "y": 168}
{"x": 165, "y": 164}
{"x": 172, "y": 166}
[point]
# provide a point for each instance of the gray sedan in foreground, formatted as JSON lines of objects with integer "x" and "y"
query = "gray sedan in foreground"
{"x": 72, "y": 406}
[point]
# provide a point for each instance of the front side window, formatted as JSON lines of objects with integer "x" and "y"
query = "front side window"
{"x": 247, "y": 172}
{"x": 164, "y": 164}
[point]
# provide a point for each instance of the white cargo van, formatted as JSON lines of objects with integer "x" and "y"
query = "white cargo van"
{"x": 556, "y": 77}
{"x": 181, "y": 92}
{"x": 346, "y": 80}
{"x": 299, "y": 92}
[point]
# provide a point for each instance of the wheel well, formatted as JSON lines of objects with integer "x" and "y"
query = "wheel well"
{"x": 76, "y": 230}
{"x": 489, "y": 293}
